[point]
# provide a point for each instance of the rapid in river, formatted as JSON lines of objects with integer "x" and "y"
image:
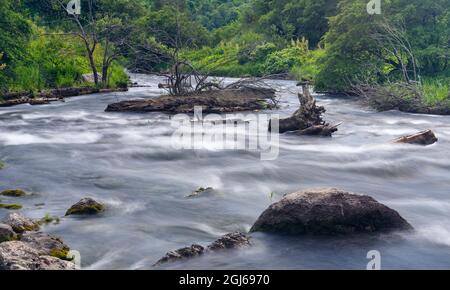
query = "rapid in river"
{"x": 66, "y": 151}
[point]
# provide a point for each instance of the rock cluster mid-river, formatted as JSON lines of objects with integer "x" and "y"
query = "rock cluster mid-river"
{"x": 66, "y": 151}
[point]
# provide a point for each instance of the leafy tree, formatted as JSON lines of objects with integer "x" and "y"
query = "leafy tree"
{"x": 14, "y": 32}
{"x": 290, "y": 19}
{"x": 410, "y": 37}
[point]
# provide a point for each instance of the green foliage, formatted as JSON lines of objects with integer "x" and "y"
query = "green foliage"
{"x": 175, "y": 27}
{"x": 290, "y": 19}
{"x": 355, "y": 55}
{"x": 282, "y": 61}
{"x": 14, "y": 32}
{"x": 339, "y": 41}
{"x": 117, "y": 77}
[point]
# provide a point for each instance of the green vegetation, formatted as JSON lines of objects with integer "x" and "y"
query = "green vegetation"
{"x": 435, "y": 91}
{"x": 61, "y": 253}
{"x": 13, "y": 193}
{"x": 335, "y": 43}
{"x": 11, "y": 206}
{"x": 48, "y": 219}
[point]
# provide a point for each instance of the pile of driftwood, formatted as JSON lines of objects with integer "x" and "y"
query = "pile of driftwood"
{"x": 307, "y": 120}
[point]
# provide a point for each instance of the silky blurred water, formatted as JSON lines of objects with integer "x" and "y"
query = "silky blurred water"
{"x": 66, "y": 151}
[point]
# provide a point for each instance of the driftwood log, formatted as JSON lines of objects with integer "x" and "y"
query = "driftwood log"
{"x": 307, "y": 120}
{"x": 424, "y": 138}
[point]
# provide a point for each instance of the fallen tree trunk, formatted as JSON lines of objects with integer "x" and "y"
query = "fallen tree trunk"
{"x": 320, "y": 130}
{"x": 307, "y": 120}
{"x": 214, "y": 101}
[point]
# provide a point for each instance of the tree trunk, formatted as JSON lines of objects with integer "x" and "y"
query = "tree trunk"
{"x": 93, "y": 67}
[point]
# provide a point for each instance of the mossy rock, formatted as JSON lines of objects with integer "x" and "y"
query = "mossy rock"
{"x": 61, "y": 253}
{"x": 86, "y": 206}
{"x": 7, "y": 233}
{"x": 20, "y": 223}
{"x": 11, "y": 206}
{"x": 48, "y": 219}
{"x": 13, "y": 193}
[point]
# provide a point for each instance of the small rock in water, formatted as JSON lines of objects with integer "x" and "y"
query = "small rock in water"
{"x": 230, "y": 241}
{"x": 227, "y": 242}
{"x": 86, "y": 206}
{"x": 20, "y": 223}
{"x": 328, "y": 212}
{"x": 13, "y": 193}
{"x": 46, "y": 244}
{"x": 17, "y": 255}
{"x": 422, "y": 138}
{"x": 200, "y": 192}
{"x": 6, "y": 233}
{"x": 183, "y": 253}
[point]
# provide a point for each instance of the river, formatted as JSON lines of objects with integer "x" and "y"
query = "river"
{"x": 66, "y": 151}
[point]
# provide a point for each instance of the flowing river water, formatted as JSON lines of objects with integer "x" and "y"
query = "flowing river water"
{"x": 66, "y": 151}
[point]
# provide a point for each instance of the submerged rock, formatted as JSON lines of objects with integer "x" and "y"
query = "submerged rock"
{"x": 215, "y": 101}
{"x": 20, "y": 223}
{"x": 201, "y": 191}
{"x": 86, "y": 206}
{"x": 46, "y": 244}
{"x": 17, "y": 255}
{"x": 230, "y": 241}
{"x": 425, "y": 138}
{"x": 14, "y": 206}
{"x": 6, "y": 233}
{"x": 13, "y": 192}
{"x": 328, "y": 211}
{"x": 227, "y": 242}
{"x": 181, "y": 254}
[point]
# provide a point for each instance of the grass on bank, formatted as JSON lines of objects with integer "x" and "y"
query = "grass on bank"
{"x": 435, "y": 91}
{"x": 429, "y": 96}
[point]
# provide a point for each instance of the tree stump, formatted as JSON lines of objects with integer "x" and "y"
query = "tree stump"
{"x": 307, "y": 120}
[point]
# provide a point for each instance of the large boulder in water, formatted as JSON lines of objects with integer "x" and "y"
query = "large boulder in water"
{"x": 17, "y": 255}
{"x": 329, "y": 211}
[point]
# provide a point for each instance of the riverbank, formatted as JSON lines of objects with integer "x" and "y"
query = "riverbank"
{"x": 418, "y": 98}
{"x": 48, "y": 96}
